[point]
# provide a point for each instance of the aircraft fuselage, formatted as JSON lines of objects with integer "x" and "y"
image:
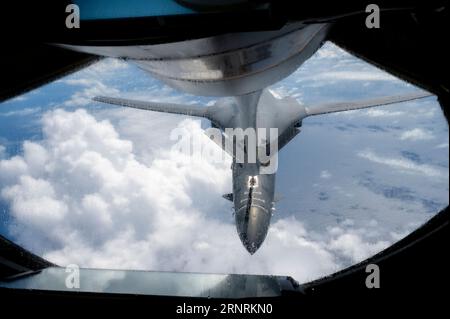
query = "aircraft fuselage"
{"x": 253, "y": 196}
{"x": 253, "y": 186}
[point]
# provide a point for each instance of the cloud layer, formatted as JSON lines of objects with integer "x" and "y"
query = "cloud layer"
{"x": 82, "y": 195}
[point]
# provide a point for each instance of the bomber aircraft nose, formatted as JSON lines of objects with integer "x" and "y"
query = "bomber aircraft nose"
{"x": 252, "y": 225}
{"x": 252, "y": 245}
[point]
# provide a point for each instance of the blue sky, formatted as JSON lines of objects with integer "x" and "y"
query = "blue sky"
{"x": 98, "y": 186}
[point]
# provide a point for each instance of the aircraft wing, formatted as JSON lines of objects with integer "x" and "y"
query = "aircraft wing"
{"x": 362, "y": 104}
{"x": 191, "y": 110}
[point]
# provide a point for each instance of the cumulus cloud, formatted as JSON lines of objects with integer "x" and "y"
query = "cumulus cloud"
{"x": 91, "y": 88}
{"x": 107, "y": 66}
{"x": 355, "y": 248}
{"x": 330, "y": 51}
{"x": 103, "y": 69}
{"x": 2, "y": 151}
{"x": 416, "y": 134}
{"x": 82, "y": 196}
{"x": 91, "y": 81}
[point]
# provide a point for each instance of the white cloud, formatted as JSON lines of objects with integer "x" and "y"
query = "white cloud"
{"x": 92, "y": 88}
{"x": 354, "y": 247}
{"x": 108, "y": 65}
{"x": 92, "y": 79}
{"x": 2, "y": 151}
{"x": 19, "y": 98}
{"x": 82, "y": 196}
{"x": 325, "y": 174}
{"x": 402, "y": 164}
{"x": 103, "y": 69}
{"x": 34, "y": 203}
{"x": 12, "y": 169}
{"x": 355, "y": 76}
{"x": 22, "y": 112}
{"x": 383, "y": 113}
{"x": 442, "y": 145}
{"x": 330, "y": 51}
{"x": 416, "y": 134}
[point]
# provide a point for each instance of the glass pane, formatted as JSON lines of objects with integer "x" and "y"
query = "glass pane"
{"x": 150, "y": 283}
{"x": 119, "y": 9}
{"x": 105, "y": 187}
